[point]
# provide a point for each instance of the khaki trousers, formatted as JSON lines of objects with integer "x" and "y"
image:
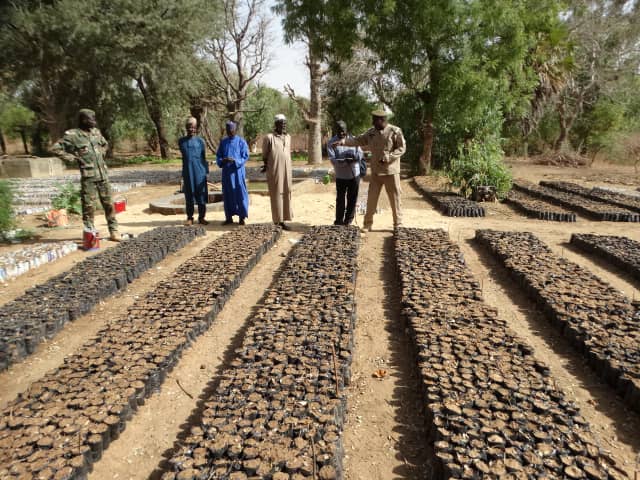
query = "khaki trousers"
{"x": 391, "y": 184}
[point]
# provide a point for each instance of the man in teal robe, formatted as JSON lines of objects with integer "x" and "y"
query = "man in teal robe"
{"x": 194, "y": 173}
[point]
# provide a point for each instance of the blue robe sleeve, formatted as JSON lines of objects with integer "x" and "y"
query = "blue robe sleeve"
{"x": 219, "y": 154}
{"x": 243, "y": 154}
{"x": 203, "y": 149}
{"x": 183, "y": 153}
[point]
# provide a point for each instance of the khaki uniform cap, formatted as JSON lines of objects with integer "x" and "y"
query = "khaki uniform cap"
{"x": 380, "y": 113}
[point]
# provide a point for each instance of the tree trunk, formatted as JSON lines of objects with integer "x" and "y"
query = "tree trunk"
{"x": 425, "y": 165}
{"x": 110, "y": 143}
{"x": 561, "y": 141}
{"x": 23, "y": 135}
{"x": 314, "y": 122}
{"x": 154, "y": 108}
{"x": 106, "y": 127}
{"x": 525, "y": 148}
{"x": 566, "y": 121}
{"x": 53, "y": 116}
{"x": 54, "y": 122}
{"x": 40, "y": 137}
{"x": 209, "y": 138}
{"x": 3, "y": 144}
{"x": 238, "y": 118}
{"x": 196, "y": 112}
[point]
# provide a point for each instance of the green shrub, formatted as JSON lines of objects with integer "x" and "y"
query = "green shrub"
{"x": 22, "y": 234}
{"x": 480, "y": 163}
{"x": 8, "y": 223}
{"x": 68, "y": 197}
{"x": 7, "y": 217}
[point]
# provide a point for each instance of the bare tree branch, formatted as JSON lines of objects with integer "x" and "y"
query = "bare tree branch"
{"x": 304, "y": 109}
{"x": 241, "y": 57}
{"x": 602, "y": 34}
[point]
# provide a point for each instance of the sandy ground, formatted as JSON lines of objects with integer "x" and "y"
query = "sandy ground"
{"x": 197, "y": 372}
{"x": 386, "y": 411}
{"x": 384, "y": 437}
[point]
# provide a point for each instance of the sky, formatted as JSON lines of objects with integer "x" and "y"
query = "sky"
{"x": 287, "y": 64}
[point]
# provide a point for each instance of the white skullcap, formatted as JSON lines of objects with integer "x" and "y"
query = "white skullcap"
{"x": 280, "y": 117}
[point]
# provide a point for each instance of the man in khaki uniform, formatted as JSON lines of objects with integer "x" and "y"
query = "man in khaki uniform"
{"x": 387, "y": 145}
{"x": 276, "y": 155}
{"x": 86, "y": 146}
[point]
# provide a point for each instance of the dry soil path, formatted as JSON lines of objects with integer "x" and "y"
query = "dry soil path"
{"x": 151, "y": 435}
{"x": 384, "y": 434}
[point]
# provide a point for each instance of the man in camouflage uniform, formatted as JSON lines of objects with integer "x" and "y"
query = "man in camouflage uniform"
{"x": 86, "y": 146}
{"x": 387, "y": 145}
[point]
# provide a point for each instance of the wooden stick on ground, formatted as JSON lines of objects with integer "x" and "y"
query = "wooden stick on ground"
{"x": 181, "y": 388}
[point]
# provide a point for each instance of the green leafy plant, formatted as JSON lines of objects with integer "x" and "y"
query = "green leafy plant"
{"x": 7, "y": 217}
{"x": 8, "y": 223}
{"x": 22, "y": 234}
{"x": 68, "y": 197}
{"x": 480, "y": 163}
{"x": 16, "y": 120}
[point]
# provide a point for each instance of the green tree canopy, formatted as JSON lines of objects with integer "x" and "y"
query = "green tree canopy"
{"x": 86, "y": 53}
{"x": 465, "y": 61}
{"x": 326, "y": 27}
{"x": 262, "y": 108}
{"x": 14, "y": 118}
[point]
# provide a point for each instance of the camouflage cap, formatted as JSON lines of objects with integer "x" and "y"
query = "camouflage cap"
{"x": 86, "y": 112}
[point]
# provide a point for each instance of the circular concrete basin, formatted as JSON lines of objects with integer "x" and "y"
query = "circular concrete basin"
{"x": 174, "y": 204}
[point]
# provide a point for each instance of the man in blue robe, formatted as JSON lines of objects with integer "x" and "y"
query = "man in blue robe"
{"x": 232, "y": 154}
{"x": 194, "y": 173}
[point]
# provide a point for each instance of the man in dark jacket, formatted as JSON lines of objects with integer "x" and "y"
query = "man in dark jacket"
{"x": 346, "y": 165}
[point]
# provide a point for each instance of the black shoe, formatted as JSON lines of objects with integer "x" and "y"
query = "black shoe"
{"x": 337, "y": 223}
{"x": 241, "y": 222}
{"x": 284, "y": 227}
{"x": 202, "y": 221}
{"x": 229, "y": 221}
